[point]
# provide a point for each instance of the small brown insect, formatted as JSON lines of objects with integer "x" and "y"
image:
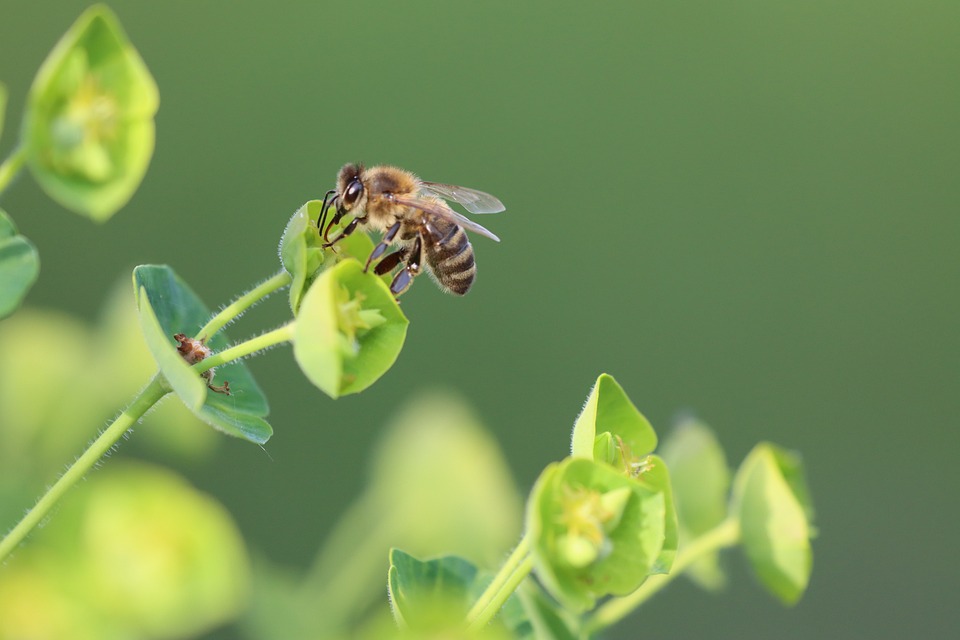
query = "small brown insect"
{"x": 193, "y": 351}
{"x": 412, "y": 214}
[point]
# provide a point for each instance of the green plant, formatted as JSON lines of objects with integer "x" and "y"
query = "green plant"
{"x": 603, "y": 529}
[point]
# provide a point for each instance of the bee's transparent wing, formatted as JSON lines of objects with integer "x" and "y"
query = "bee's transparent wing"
{"x": 439, "y": 208}
{"x": 472, "y": 200}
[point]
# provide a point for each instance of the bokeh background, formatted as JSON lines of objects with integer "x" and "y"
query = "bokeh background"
{"x": 747, "y": 210}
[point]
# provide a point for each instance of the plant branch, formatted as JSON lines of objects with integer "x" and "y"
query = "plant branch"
{"x": 511, "y": 574}
{"x": 612, "y": 611}
{"x": 150, "y": 395}
{"x": 243, "y": 349}
{"x": 243, "y": 303}
{"x": 11, "y": 166}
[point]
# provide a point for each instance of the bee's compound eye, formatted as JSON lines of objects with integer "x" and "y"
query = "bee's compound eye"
{"x": 352, "y": 194}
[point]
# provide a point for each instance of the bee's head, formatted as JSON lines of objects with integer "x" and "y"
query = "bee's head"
{"x": 350, "y": 191}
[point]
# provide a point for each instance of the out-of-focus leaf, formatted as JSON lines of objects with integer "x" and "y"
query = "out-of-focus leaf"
{"x": 427, "y": 594}
{"x": 137, "y": 553}
{"x": 19, "y": 265}
{"x": 772, "y": 502}
{"x": 701, "y": 484}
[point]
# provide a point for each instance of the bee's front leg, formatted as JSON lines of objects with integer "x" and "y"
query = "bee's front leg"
{"x": 350, "y": 228}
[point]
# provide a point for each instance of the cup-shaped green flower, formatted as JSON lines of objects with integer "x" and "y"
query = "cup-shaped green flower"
{"x": 88, "y": 127}
{"x": 349, "y": 330}
{"x": 595, "y": 531}
{"x": 772, "y": 502}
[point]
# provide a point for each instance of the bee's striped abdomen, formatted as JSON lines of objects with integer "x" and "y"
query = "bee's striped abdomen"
{"x": 451, "y": 259}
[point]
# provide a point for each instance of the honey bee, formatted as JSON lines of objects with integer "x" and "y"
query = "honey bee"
{"x": 413, "y": 215}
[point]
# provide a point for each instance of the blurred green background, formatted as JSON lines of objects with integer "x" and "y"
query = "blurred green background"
{"x": 747, "y": 210}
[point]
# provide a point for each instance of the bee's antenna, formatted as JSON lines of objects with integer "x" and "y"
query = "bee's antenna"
{"x": 323, "y": 210}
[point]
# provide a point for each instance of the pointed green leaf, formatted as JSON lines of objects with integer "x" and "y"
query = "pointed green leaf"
{"x": 427, "y": 594}
{"x": 19, "y": 266}
{"x": 774, "y": 526}
{"x": 349, "y": 330}
{"x": 701, "y": 484}
{"x": 567, "y": 504}
{"x": 168, "y": 306}
{"x": 88, "y": 125}
{"x": 610, "y": 428}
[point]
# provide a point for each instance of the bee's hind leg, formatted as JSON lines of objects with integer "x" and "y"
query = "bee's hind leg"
{"x": 404, "y": 279}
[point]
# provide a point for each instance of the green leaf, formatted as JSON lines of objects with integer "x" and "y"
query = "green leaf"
{"x": 774, "y": 524}
{"x": 19, "y": 266}
{"x": 88, "y": 126}
{"x": 168, "y": 306}
{"x": 429, "y": 594}
{"x": 701, "y": 483}
{"x": 610, "y": 428}
{"x": 577, "y": 504}
{"x": 302, "y": 254}
{"x": 349, "y": 330}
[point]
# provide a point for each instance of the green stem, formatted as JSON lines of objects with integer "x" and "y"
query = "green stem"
{"x": 243, "y": 349}
{"x": 150, "y": 395}
{"x": 612, "y": 611}
{"x": 243, "y": 303}
{"x": 11, "y": 166}
{"x": 511, "y": 574}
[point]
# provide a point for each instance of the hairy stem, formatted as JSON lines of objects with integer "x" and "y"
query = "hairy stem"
{"x": 612, "y": 611}
{"x": 247, "y": 347}
{"x": 243, "y": 303}
{"x": 150, "y": 395}
{"x": 511, "y": 574}
{"x": 11, "y": 166}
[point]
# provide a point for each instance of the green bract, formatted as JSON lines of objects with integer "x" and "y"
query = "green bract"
{"x": 88, "y": 127}
{"x": 349, "y": 330}
{"x": 701, "y": 480}
{"x": 19, "y": 266}
{"x": 771, "y": 500}
{"x": 167, "y": 307}
{"x": 302, "y": 255}
{"x": 611, "y": 429}
{"x": 595, "y": 531}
